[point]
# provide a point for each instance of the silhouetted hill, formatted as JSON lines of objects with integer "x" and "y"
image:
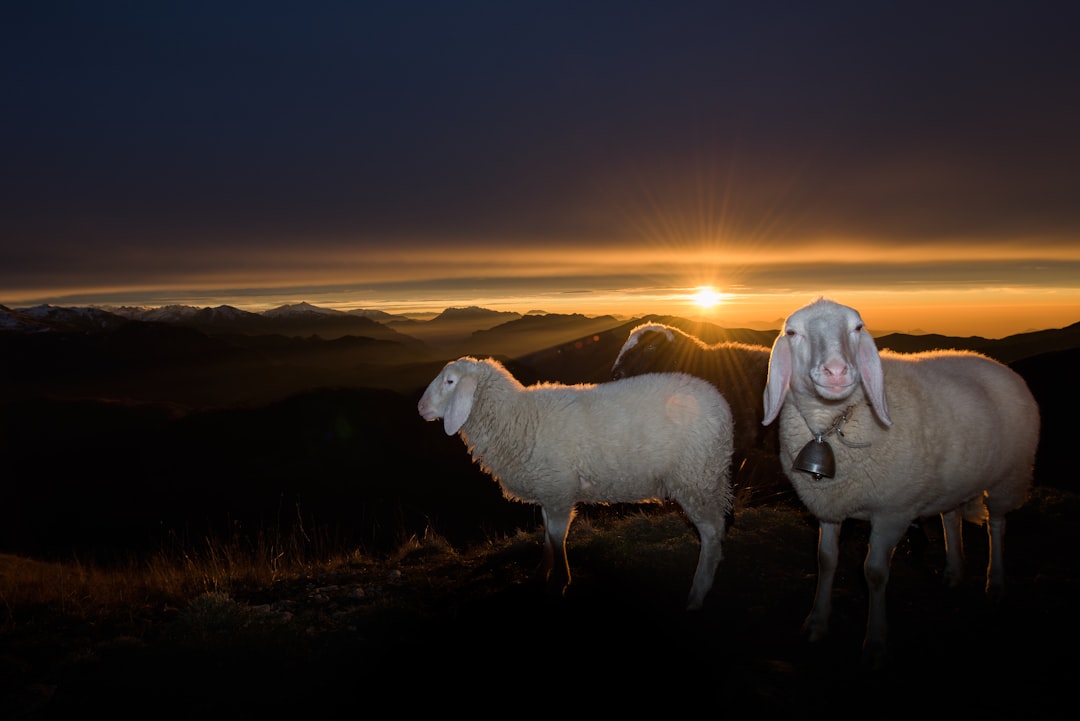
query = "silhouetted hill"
{"x": 306, "y": 320}
{"x": 585, "y": 359}
{"x": 1047, "y": 375}
{"x": 159, "y": 362}
{"x": 453, "y": 325}
{"x": 529, "y": 333}
{"x": 1006, "y": 349}
{"x": 112, "y": 478}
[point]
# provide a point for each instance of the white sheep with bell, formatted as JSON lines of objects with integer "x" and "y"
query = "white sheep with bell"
{"x": 661, "y": 436}
{"x": 889, "y": 438}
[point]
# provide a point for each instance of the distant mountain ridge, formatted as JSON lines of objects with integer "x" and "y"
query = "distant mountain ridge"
{"x": 1006, "y": 350}
{"x": 464, "y": 330}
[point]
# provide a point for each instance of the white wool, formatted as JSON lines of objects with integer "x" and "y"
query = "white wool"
{"x": 913, "y": 435}
{"x": 661, "y": 436}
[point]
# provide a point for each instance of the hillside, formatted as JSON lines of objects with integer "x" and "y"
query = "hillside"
{"x": 136, "y": 438}
{"x": 431, "y": 622}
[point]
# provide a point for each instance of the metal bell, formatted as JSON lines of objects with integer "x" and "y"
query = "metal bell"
{"x": 816, "y": 458}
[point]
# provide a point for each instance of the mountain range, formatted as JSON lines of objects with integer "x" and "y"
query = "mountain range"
{"x": 115, "y": 425}
{"x": 456, "y": 326}
{"x": 223, "y": 356}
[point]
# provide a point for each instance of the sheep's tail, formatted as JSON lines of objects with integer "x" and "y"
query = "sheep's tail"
{"x": 974, "y": 511}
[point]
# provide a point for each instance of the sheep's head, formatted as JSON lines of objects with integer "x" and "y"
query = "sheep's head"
{"x": 450, "y": 395}
{"x": 825, "y": 351}
{"x": 644, "y": 351}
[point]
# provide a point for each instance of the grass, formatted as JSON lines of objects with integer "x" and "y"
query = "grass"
{"x": 270, "y": 625}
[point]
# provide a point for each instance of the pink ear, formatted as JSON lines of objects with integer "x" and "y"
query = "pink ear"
{"x": 461, "y": 403}
{"x": 776, "y": 387}
{"x": 873, "y": 377}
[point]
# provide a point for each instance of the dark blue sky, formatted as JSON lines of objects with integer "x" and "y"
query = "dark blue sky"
{"x": 233, "y": 144}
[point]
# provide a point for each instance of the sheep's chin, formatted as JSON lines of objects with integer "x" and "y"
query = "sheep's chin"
{"x": 834, "y": 392}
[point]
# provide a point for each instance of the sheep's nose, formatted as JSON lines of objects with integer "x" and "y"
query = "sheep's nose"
{"x": 835, "y": 368}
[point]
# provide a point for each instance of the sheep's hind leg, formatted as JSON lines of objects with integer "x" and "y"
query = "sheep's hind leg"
{"x": 995, "y": 570}
{"x": 710, "y": 536}
{"x": 952, "y": 525}
{"x": 556, "y": 568}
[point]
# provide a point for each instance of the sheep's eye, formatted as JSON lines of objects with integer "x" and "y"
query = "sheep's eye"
{"x": 859, "y": 328}
{"x": 789, "y": 331}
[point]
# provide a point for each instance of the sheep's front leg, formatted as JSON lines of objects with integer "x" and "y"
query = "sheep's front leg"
{"x": 816, "y": 625}
{"x": 884, "y": 535}
{"x": 951, "y": 524}
{"x": 556, "y": 568}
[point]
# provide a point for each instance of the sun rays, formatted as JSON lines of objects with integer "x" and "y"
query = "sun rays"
{"x": 706, "y": 297}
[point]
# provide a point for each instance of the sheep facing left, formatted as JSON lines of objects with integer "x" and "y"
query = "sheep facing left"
{"x": 649, "y": 438}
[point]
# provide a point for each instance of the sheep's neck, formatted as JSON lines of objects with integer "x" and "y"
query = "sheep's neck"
{"x": 816, "y": 457}
{"x": 835, "y": 428}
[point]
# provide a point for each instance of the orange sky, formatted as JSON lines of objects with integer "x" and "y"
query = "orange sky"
{"x": 951, "y": 288}
{"x": 416, "y": 156}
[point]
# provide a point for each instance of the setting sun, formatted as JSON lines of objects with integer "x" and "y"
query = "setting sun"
{"x": 707, "y": 297}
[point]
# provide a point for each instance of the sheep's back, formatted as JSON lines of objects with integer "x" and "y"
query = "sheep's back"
{"x": 622, "y": 441}
{"x": 653, "y": 431}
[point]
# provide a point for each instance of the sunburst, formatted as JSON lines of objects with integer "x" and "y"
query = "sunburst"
{"x": 707, "y": 297}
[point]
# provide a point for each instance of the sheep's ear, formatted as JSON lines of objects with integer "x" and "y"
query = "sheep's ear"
{"x": 460, "y": 405}
{"x": 776, "y": 387}
{"x": 873, "y": 378}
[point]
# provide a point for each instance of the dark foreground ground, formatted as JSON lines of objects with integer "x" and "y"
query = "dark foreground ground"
{"x": 443, "y": 630}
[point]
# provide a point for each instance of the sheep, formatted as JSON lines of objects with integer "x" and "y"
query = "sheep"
{"x": 662, "y": 436}
{"x": 738, "y": 370}
{"x": 949, "y": 433}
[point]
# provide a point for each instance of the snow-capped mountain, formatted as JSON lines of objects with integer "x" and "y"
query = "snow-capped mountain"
{"x": 71, "y": 319}
{"x": 13, "y": 320}
{"x": 377, "y": 315}
{"x": 295, "y": 310}
{"x": 298, "y": 319}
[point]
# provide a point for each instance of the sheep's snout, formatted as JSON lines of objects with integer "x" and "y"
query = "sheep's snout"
{"x": 834, "y": 379}
{"x": 427, "y": 412}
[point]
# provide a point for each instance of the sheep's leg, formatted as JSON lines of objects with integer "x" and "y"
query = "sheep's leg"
{"x": 556, "y": 564}
{"x": 995, "y": 570}
{"x": 816, "y": 625}
{"x": 884, "y": 535}
{"x": 952, "y": 525}
{"x": 709, "y": 557}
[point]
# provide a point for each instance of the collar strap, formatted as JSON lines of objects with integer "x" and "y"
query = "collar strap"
{"x": 837, "y": 424}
